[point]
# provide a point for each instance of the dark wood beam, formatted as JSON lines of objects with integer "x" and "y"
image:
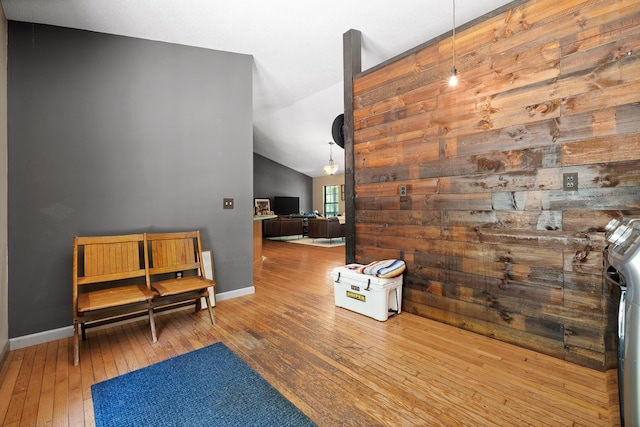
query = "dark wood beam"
{"x": 352, "y": 56}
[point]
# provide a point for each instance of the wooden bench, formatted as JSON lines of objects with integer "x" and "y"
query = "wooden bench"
{"x": 127, "y": 276}
{"x": 175, "y": 269}
{"x": 110, "y": 279}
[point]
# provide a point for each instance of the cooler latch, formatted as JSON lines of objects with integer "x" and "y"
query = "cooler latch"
{"x": 391, "y": 310}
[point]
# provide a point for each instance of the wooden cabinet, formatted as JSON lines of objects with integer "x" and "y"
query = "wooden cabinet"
{"x": 257, "y": 236}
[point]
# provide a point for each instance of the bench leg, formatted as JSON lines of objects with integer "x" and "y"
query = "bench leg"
{"x": 152, "y": 324}
{"x": 206, "y": 293}
{"x": 76, "y": 349}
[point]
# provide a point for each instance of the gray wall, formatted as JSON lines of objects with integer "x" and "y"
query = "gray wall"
{"x": 111, "y": 134}
{"x": 4, "y": 283}
{"x": 273, "y": 179}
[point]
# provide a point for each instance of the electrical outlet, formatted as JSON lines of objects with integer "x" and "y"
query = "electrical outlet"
{"x": 403, "y": 190}
{"x": 228, "y": 203}
{"x": 570, "y": 181}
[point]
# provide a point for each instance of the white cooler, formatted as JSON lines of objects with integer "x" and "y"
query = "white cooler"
{"x": 367, "y": 294}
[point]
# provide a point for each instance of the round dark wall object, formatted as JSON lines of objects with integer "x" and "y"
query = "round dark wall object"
{"x": 337, "y": 130}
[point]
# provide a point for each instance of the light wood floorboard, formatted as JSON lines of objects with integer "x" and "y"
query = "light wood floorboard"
{"x": 339, "y": 367}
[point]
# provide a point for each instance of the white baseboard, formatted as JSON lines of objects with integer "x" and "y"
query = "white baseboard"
{"x": 235, "y": 294}
{"x": 67, "y": 331}
{"x": 4, "y": 352}
{"x": 40, "y": 337}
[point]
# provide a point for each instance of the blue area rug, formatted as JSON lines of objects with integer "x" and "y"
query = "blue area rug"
{"x": 207, "y": 387}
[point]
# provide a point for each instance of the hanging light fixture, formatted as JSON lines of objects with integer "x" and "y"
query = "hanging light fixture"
{"x": 453, "y": 79}
{"x": 331, "y": 168}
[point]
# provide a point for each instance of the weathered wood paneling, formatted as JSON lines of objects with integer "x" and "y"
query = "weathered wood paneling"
{"x": 492, "y": 241}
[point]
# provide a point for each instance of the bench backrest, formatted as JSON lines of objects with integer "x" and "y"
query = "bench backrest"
{"x": 102, "y": 259}
{"x": 174, "y": 252}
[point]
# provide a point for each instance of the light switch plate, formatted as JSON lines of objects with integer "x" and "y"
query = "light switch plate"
{"x": 228, "y": 203}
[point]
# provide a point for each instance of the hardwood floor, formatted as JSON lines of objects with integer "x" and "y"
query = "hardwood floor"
{"x": 339, "y": 367}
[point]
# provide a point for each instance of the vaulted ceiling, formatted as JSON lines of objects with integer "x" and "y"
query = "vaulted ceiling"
{"x": 296, "y": 48}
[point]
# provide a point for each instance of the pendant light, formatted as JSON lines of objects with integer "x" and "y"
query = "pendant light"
{"x": 453, "y": 78}
{"x": 331, "y": 168}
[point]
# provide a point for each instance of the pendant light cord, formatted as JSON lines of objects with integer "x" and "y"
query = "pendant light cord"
{"x": 453, "y": 39}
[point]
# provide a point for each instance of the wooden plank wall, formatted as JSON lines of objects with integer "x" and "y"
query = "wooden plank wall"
{"x": 493, "y": 243}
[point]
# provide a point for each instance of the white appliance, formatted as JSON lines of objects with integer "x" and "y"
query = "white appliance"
{"x": 622, "y": 268}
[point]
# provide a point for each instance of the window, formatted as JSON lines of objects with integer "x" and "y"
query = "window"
{"x": 331, "y": 200}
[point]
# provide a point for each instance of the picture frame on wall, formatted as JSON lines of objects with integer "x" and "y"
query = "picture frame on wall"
{"x": 262, "y": 206}
{"x": 208, "y": 273}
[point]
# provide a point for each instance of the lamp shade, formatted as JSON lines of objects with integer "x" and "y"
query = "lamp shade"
{"x": 330, "y": 169}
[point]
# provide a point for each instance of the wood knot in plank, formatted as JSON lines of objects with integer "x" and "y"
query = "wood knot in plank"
{"x": 582, "y": 255}
{"x": 518, "y": 133}
{"x": 485, "y": 124}
{"x": 621, "y": 53}
{"x": 385, "y": 177}
{"x": 542, "y": 108}
{"x": 606, "y": 181}
{"x": 505, "y": 259}
{"x": 506, "y": 276}
{"x": 489, "y": 165}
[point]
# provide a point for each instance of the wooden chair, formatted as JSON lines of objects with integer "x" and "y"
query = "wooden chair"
{"x": 104, "y": 269}
{"x": 175, "y": 269}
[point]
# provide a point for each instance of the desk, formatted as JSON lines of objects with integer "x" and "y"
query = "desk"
{"x": 257, "y": 235}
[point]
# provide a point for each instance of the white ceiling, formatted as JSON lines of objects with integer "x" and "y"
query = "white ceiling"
{"x": 296, "y": 47}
